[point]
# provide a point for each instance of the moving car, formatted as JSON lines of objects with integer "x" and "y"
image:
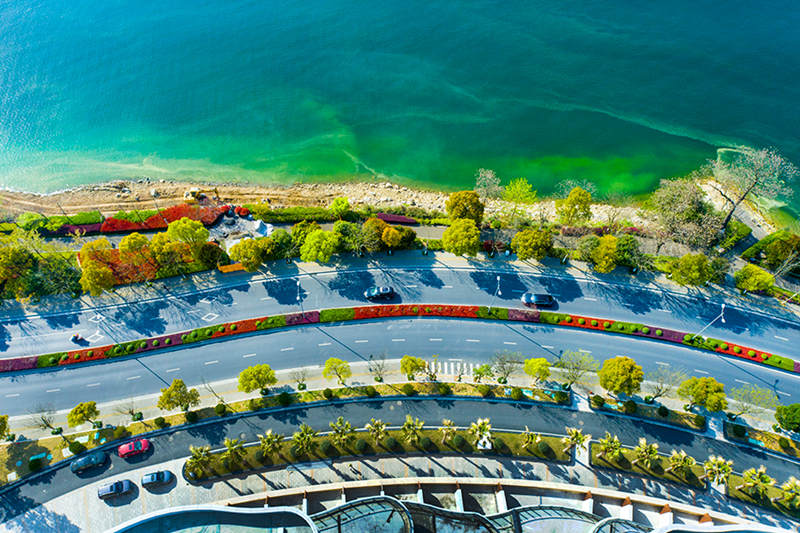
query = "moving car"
{"x": 537, "y": 300}
{"x": 379, "y": 293}
{"x": 88, "y": 461}
{"x": 112, "y": 490}
{"x": 153, "y": 479}
{"x": 134, "y": 447}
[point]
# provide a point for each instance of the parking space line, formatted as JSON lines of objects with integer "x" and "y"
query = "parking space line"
{"x": 214, "y": 362}
{"x": 784, "y": 393}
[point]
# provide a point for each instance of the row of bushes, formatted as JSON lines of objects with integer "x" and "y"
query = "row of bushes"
{"x": 662, "y": 412}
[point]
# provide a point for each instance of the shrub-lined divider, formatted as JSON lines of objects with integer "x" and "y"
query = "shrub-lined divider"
{"x": 762, "y": 439}
{"x": 660, "y": 413}
{"x": 625, "y": 462}
{"x": 343, "y": 314}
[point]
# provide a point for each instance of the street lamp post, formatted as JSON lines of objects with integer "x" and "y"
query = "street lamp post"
{"x": 720, "y": 316}
{"x": 496, "y": 293}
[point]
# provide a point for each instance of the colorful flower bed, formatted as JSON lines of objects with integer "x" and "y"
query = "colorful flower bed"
{"x": 395, "y": 219}
{"x": 123, "y": 222}
{"x": 392, "y": 311}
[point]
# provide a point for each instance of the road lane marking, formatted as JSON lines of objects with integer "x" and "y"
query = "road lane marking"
{"x": 93, "y": 385}
{"x": 171, "y": 370}
{"x": 245, "y": 356}
{"x": 324, "y": 344}
{"x": 547, "y": 346}
{"x": 194, "y": 311}
{"x": 590, "y": 299}
{"x": 585, "y": 351}
{"x": 473, "y": 340}
{"x": 360, "y": 341}
{"x": 784, "y": 393}
{"x": 510, "y": 343}
{"x": 700, "y": 371}
{"x": 398, "y": 340}
{"x": 742, "y": 382}
{"x": 435, "y": 339}
{"x": 662, "y": 363}
{"x": 781, "y": 338}
{"x": 131, "y": 378}
{"x": 447, "y": 286}
{"x": 12, "y": 395}
{"x": 289, "y": 349}
{"x": 265, "y": 298}
{"x": 53, "y": 390}
{"x": 214, "y": 362}
{"x": 410, "y": 286}
{"x": 664, "y": 310}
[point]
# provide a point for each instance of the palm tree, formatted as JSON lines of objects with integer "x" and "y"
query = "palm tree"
{"x": 610, "y": 447}
{"x": 342, "y": 432}
{"x": 481, "y": 429}
{"x": 646, "y": 453}
{"x": 790, "y": 494}
{"x": 529, "y": 439}
{"x": 303, "y": 440}
{"x": 200, "y": 458}
{"x": 448, "y": 430}
{"x": 575, "y": 438}
{"x": 756, "y": 481}
{"x": 376, "y": 429}
{"x": 234, "y": 451}
{"x": 412, "y": 429}
{"x": 270, "y": 442}
{"x": 717, "y": 469}
{"x": 680, "y": 462}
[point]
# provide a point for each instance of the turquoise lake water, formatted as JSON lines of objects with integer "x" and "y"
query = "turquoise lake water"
{"x": 419, "y": 92}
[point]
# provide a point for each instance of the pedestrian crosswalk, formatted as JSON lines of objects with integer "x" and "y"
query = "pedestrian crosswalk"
{"x": 452, "y": 368}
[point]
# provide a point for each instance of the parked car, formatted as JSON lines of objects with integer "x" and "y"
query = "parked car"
{"x": 379, "y": 293}
{"x": 537, "y": 300}
{"x": 88, "y": 461}
{"x": 112, "y": 490}
{"x": 153, "y": 479}
{"x": 134, "y": 447}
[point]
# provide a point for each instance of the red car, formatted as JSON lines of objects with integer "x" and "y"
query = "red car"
{"x": 133, "y": 448}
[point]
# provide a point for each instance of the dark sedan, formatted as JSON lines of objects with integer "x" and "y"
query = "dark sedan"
{"x": 379, "y": 293}
{"x": 153, "y": 479}
{"x": 88, "y": 461}
{"x": 537, "y": 300}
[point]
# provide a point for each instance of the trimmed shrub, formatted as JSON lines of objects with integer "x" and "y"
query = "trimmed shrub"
{"x": 736, "y": 349}
{"x": 739, "y": 431}
{"x": 517, "y": 394}
{"x": 254, "y": 404}
{"x": 783, "y": 442}
{"x": 663, "y": 411}
{"x": 597, "y": 401}
{"x": 484, "y": 390}
{"x": 724, "y": 346}
{"x": 168, "y": 341}
{"x": 443, "y": 389}
{"x": 160, "y": 422}
{"x": 500, "y": 445}
{"x": 155, "y": 343}
{"x": 687, "y": 337}
{"x": 408, "y": 389}
{"x": 629, "y": 407}
{"x": 543, "y": 447}
{"x": 391, "y": 443}
{"x": 561, "y": 397}
{"x": 426, "y": 443}
{"x": 699, "y": 421}
{"x": 284, "y": 399}
{"x": 337, "y": 315}
{"x": 594, "y": 322}
{"x": 568, "y": 319}
{"x": 645, "y": 330}
{"x": 606, "y": 325}
{"x": 459, "y": 442}
{"x": 360, "y": 445}
{"x": 659, "y": 333}
{"x": 34, "y": 465}
{"x": 191, "y": 416}
{"x": 76, "y": 447}
{"x": 234, "y": 327}
{"x": 326, "y": 447}
{"x": 328, "y": 394}
{"x": 221, "y": 329}
{"x": 370, "y": 391}
{"x": 581, "y": 321}
{"x": 220, "y": 409}
{"x": 751, "y": 353}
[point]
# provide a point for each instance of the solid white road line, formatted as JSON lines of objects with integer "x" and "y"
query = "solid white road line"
{"x": 214, "y": 362}
{"x": 781, "y": 338}
{"x": 171, "y": 370}
{"x": 289, "y": 349}
{"x": 93, "y": 385}
{"x": 245, "y": 356}
{"x": 53, "y": 390}
{"x": 324, "y": 344}
{"x": 398, "y": 340}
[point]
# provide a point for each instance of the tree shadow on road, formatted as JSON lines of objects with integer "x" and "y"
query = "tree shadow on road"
{"x": 21, "y": 513}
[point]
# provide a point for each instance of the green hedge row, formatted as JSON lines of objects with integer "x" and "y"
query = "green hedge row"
{"x": 496, "y": 313}
{"x": 548, "y": 317}
{"x": 200, "y": 334}
{"x": 50, "y": 359}
{"x": 337, "y": 315}
{"x": 763, "y": 243}
{"x": 135, "y": 215}
{"x": 271, "y": 322}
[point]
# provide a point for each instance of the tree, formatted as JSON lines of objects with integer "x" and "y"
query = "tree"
{"x": 465, "y": 204}
{"x": 410, "y": 366}
{"x": 646, "y": 453}
{"x": 135, "y": 249}
{"x": 682, "y": 212}
{"x": 756, "y": 481}
{"x": 377, "y": 366}
{"x": 790, "y": 494}
{"x": 788, "y": 416}
{"x": 530, "y": 439}
{"x": 575, "y": 438}
{"x": 518, "y": 191}
{"x": 178, "y": 395}
{"x": 303, "y": 441}
{"x": 169, "y": 254}
{"x": 341, "y": 432}
{"x": 705, "y": 392}
{"x": 257, "y": 377}
{"x": 621, "y": 375}
{"x": 576, "y": 208}
{"x": 412, "y": 429}
{"x": 199, "y": 460}
{"x": 301, "y": 231}
{"x": 462, "y": 237}
{"x": 191, "y": 232}
{"x": 538, "y": 369}
{"x": 761, "y": 172}
{"x": 691, "y": 269}
{"x": 586, "y": 247}
{"x": 98, "y": 250}
{"x": 480, "y": 429}
{"x": 575, "y": 365}
{"x": 96, "y": 278}
{"x": 754, "y": 279}
{"x": 211, "y": 255}
{"x": 609, "y": 447}
{"x": 4, "y": 431}
{"x": 339, "y": 207}
{"x": 270, "y": 443}
{"x": 719, "y": 269}
{"x": 372, "y": 234}
{"x": 751, "y": 398}
{"x": 350, "y": 236}
{"x": 717, "y": 470}
{"x": 376, "y": 429}
{"x": 282, "y": 244}
{"x": 680, "y": 462}
{"x": 481, "y": 372}
{"x": 664, "y": 379}
{"x": 487, "y": 184}
{"x": 604, "y": 256}
{"x": 249, "y": 253}
{"x": 532, "y": 244}
{"x": 448, "y": 430}
{"x": 82, "y": 413}
{"x": 319, "y": 246}
{"x": 234, "y": 451}
{"x": 629, "y": 253}
{"x": 505, "y": 363}
{"x": 391, "y": 237}
{"x": 336, "y": 368}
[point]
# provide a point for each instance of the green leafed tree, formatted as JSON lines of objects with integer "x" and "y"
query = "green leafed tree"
{"x": 462, "y": 237}
{"x": 532, "y": 244}
{"x": 178, "y": 395}
{"x": 391, "y": 237}
{"x": 604, "y": 256}
{"x": 257, "y": 377}
{"x": 754, "y": 279}
{"x": 249, "y": 253}
{"x": 481, "y": 372}
{"x": 135, "y": 249}
{"x": 191, "y": 232}
{"x": 411, "y": 366}
{"x": 788, "y": 416}
{"x": 339, "y": 207}
{"x": 576, "y": 208}
{"x": 538, "y": 368}
{"x": 337, "y": 368}
{"x": 465, "y": 204}
{"x": 96, "y": 278}
{"x": 4, "y": 431}
{"x": 301, "y": 231}
{"x": 372, "y": 234}
{"x": 82, "y": 413}
{"x": 752, "y": 398}
{"x": 706, "y": 392}
{"x": 621, "y": 375}
{"x": 691, "y": 269}
{"x": 319, "y": 246}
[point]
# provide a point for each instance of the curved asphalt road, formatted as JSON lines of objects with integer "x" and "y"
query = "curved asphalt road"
{"x": 539, "y": 418}
{"x": 469, "y": 340}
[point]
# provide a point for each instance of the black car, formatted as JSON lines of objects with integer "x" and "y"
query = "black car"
{"x": 89, "y": 461}
{"x": 152, "y": 479}
{"x": 537, "y": 300}
{"x": 379, "y": 293}
{"x": 112, "y": 490}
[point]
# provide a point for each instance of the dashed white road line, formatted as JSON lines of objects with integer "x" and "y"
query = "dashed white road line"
{"x": 265, "y": 298}
{"x": 131, "y": 378}
{"x": 585, "y": 351}
{"x": 435, "y": 339}
{"x": 289, "y": 349}
{"x": 93, "y": 385}
{"x": 171, "y": 370}
{"x": 324, "y": 344}
{"x": 664, "y": 310}
{"x": 247, "y": 355}
{"x": 214, "y": 362}
{"x": 447, "y": 286}
{"x": 473, "y": 340}
{"x": 53, "y": 390}
{"x": 590, "y": 298}
{"x": 784, "y": 393}
{"x": 742, "y": 381}
{"x": 360, "y": 341}
{"x": 410, "y": 286}
{"x": 510, "y": 343}
{"x": 781, "y": 338}
{"x": 700, "y": 371}
{"x": 662, "y": 363}
{"x": 398, "y": 340}
{"x": 12, "y": 395}
{"x": 547, "y": 346}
